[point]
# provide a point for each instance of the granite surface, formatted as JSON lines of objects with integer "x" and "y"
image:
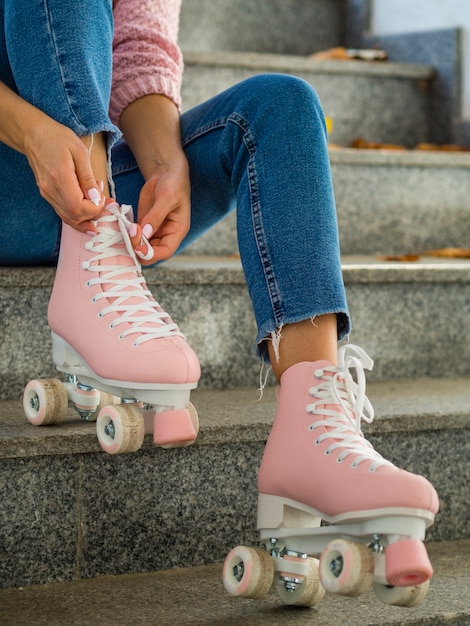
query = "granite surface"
{"x": 280, "y": 26}
{"x": 376, "y": 94}
{"x": 184, "y": 597}
{"x": 441, "y": 49}
{"x": 71, "y": 511}
{"x": 400, "y": 314}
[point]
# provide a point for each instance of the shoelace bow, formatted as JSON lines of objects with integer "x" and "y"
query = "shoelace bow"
{"x": 125, "y": 283}
{"x": 338, "y": 389}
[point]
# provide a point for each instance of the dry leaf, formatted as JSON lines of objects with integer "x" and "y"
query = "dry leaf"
{"x": 348, "y": 54}
{"x": 362, "y": 144}
{"x": 445, "y": 253}
{"x": 449, "y": 253}
{"x": 398, "y": 257}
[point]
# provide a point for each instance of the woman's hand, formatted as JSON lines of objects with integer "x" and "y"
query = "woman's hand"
{"x": 59, "y": 159}
{"x": 151, "y": 127}
{"x": 62, "y": 168}
{"x": 163, "y": 213}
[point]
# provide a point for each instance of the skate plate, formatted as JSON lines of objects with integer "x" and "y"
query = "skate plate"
{"x": 121, "y": 420}
{"x": 306, "y": 555}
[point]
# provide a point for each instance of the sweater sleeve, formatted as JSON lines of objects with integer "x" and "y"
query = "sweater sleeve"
{"x": 146, "y": 56}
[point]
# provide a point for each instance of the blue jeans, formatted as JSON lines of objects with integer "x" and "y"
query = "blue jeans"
{"x": 259, "y": 147}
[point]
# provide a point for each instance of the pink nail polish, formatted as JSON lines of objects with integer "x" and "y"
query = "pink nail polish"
{"x": 132, "y": 230}
{"x": 147, "y": 231}
{"x": 95, "y": 196}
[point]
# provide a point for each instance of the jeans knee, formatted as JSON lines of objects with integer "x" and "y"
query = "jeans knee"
{"x": 284, "y": 97}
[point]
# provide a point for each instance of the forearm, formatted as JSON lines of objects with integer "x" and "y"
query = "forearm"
{"x": 151, "y": 127}
{"x": 17, "y": 119}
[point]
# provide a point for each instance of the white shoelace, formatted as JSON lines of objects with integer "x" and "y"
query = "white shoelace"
{"x": 126, "y": 287}
{"x": 338, "y": 389}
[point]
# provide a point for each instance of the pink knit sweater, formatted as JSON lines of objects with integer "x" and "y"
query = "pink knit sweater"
{"x": 146, "y": 56}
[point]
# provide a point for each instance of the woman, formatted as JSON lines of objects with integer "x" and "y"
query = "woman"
{"x": 260, "y": 146}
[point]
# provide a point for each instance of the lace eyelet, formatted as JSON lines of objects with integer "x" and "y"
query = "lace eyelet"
{"x": 317, "y": 443}
{"x": 100, "y": 315}
{"x": 327, "y": 452}
{"x": 134, "y": 344}
{"x": 354, "y": 466}
{"x": 310, "y": 428}
{"x": 121, "y": 337}
{"x": 339, "y": 460}
{"x": 372, "y": 470}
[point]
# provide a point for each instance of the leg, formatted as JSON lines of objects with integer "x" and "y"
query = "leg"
{"x": 262, "y": 145}
{"x": 217, "y": 137}
{"x": 308, "y": 340}
{"x": 272, "y": 162}
{"x": 52, "y": 55}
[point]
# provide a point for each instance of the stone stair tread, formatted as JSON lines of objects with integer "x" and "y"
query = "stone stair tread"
{"x": 446, "y": 159}
{"x": 291, "y": 63}
{"x": 195, "y": 596}
{"x": 215, "y": 269}
{"x": 239, "y": 415}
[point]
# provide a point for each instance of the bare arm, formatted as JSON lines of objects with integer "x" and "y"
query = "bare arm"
{"x": 59, "y": 159}
{"x": 151, "y": 127}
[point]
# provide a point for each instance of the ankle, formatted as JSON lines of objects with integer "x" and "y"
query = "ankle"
{"x": 307, "y": 341}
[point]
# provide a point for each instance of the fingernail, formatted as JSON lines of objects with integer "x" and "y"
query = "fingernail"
{"x": 91, "y": 233}
{"x": 101, "y": 186}
{"x": 147, "y": 231}
{"x": 95, "y": 196}
{"x": 140, "y": 254}
{"x": 132, "y": 229}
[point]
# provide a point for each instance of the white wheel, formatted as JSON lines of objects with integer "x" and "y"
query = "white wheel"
{"x": 307, "y": 593}
{"x": 248, "y": 572}
{"x": 346, "y": 568}
{"x": 45, "y": 401}
{"x": 120, "y": 428}
{"x": 402, "y": 596}
{"x": 106, "y": 399}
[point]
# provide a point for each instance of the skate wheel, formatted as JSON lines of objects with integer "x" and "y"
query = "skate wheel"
{"x": 407, "y": 563}
{"x": 120, "y": 428}
{"x": 106, "y": 399}
{"x": 248, "y": 572}
{"x": 45, "y": 401}
{"x": 176, "y": 429}
{"x": 402, "y": 596}
{"x": 307, "y": 593}
{"x": 346, "y": 568}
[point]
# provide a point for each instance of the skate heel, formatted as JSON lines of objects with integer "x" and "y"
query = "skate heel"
{"x": 176, "y": 428}
{"x": 278, "y": 512}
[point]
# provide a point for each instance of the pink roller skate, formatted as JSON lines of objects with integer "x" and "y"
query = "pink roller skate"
{"x": 325, "y": 492}
{"x": 109, "y": 336}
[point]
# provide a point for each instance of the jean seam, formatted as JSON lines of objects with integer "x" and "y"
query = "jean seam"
{"x": 59, "y": 65}
{"x": 255, "y": 204}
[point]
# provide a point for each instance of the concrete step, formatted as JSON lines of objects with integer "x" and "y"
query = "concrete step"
{"x": 70, "y": 511}
{"x": 388, "y": 202}
{"x": 376, "y": 93}
{"x": 195, "y": 596}
{"x": 401, "y": 314}
{"x": 277, "y": 26}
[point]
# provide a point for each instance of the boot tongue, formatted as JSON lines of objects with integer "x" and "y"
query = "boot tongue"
{"x": 335, "y": 391}
{"x": 123, "y": 257}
